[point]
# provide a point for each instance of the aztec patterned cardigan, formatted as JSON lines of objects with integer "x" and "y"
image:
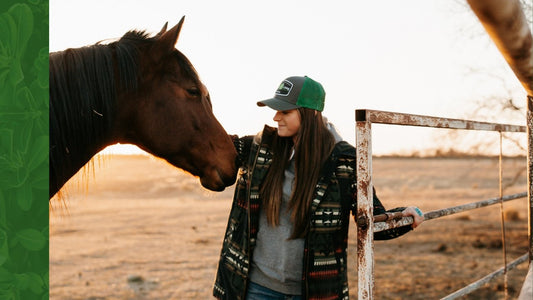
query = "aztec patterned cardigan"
{"x": 324, "y": 273}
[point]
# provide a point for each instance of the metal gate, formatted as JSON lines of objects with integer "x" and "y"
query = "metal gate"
{"x": 367, "y": 224}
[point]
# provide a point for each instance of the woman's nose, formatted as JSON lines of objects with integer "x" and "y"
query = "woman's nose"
{"x": 277, "y": 116}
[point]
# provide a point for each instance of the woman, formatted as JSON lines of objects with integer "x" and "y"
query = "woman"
{"x": 287, "y": 231}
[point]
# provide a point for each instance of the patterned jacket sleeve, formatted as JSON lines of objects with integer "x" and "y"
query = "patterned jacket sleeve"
{"x": 378, "y": 210}
{"x": 242, "y": 145}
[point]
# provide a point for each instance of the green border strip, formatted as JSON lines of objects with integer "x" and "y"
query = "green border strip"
{"x": 24, "y": 140}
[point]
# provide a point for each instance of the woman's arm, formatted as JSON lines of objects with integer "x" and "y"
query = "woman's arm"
{"x": 389, "y": 233}
{"x": 349, "y": 190}
{"x": 379, "y": 209}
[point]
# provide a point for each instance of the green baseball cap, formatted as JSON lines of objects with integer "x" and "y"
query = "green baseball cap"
{"x": 295, "y": 92}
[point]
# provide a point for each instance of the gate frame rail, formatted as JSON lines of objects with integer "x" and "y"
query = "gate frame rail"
{"x": 365, "y": 218}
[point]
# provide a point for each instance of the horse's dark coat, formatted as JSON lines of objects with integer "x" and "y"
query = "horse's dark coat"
{"x": 86, "y": 114}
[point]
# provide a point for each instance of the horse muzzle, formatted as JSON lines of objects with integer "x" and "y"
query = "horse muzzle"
{"x": 215, "y": 181}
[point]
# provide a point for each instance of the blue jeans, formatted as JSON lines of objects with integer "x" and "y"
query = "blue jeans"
{"x": 258, "y": 292}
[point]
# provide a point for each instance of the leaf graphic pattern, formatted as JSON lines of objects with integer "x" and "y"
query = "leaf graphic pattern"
{"x": 24, "y": 143}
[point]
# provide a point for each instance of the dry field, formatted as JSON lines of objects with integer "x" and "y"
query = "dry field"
{"x": 138, "y": 228}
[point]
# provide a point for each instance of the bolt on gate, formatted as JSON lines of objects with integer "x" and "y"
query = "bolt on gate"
{"x": 367, "y": 224}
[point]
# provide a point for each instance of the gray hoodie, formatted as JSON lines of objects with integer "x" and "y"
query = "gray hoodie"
{"x": 277, "y": 261}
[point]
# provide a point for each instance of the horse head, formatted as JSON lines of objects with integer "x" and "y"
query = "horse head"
{"x": 170, "y": 114}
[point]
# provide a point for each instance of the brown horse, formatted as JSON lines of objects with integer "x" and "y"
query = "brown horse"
{"x": 139, "y": 90}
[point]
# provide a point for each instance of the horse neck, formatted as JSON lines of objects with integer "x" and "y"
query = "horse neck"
{"x": 67, "y": 157}
{"x": 82, "y": 109}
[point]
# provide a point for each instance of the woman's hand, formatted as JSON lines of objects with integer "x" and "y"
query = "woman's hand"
{"x": 416, "y": 213}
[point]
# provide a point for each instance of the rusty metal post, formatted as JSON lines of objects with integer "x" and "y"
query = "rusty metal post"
{"x": 365, "y": 219}
{"x": 506, "y": 24}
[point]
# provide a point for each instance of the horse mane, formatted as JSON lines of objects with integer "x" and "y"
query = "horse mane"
{"x": 84, "y": 83}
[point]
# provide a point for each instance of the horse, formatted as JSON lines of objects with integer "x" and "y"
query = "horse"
{"x": 138, "y": 90}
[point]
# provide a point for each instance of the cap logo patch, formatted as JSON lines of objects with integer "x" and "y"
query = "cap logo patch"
{"x": 284, "y": 88}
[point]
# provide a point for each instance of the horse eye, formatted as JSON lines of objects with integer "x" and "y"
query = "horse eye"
{"x": 194, "y": 92}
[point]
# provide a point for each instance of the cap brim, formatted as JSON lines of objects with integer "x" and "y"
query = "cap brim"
{"x": 277, "y": 104}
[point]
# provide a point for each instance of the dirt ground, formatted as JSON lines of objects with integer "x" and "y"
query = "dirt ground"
{"x": 133, "y": 227}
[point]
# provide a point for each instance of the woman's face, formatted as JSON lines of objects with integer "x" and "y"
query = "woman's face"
{"x": 288, "y": 122}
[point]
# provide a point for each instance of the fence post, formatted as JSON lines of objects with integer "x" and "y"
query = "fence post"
{"x": 365, "y": 220}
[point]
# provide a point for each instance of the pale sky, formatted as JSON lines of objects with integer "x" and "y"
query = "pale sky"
{"x": 411, "y": 56}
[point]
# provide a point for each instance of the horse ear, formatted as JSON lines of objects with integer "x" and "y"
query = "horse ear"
{"x": 163, "y": 30}
{"x": 167, "y": 39}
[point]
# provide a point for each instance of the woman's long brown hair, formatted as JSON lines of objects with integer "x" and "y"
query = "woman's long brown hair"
{"x": 313, "y": 146}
